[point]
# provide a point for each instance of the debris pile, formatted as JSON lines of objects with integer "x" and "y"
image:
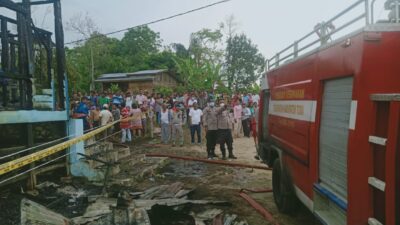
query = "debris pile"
{"x": 159, "y": 205}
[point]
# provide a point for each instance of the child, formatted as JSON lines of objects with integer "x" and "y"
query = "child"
{"x": 125, "y": 125}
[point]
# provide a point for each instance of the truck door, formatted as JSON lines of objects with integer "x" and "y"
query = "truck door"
{"x": 331, "y": 191}
{"x": 263, "y": 127}
{"x": 264, "y": 117}
{"x": 385, "y": 140}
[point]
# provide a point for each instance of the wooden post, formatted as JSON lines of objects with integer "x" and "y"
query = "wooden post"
{"x": 22, "y": 64}
{"x": 5, "y": 60}
{"x": 49, "y": 53}
{"x": 60, "y": 53}
{"x": 13, "y": 57}
{"x": 30, "y": 54}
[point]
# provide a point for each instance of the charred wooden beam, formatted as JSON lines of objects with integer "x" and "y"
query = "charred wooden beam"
{"x": 49, "y": 53}
{"x": 5, "y": 51}
{"x": 30, "y": 54}
{"x": 22, "y": 57}
{"x": 9, "y": 35}
{"x": 10, "y": 20}
{"x": 41, "y": 2}
{"x": 60, "y": 53}
{"x": 41, "y": 31}
{"x": 12, "y": 6}
{"x": 13, "y": 55}
{"x": 5, "y": 59}
{"x": 14, "y": 76}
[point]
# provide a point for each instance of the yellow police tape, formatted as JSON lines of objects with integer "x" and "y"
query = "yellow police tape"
{"x": 25, "y": 160}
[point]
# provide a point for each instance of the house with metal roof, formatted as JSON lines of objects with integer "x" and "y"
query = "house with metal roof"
{"x": 146, "y": 80}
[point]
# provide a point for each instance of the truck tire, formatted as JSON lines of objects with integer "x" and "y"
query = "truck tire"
{"x": 284, "y": 196}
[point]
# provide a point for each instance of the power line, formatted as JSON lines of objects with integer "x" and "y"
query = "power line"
{"x": 152, "y": 22}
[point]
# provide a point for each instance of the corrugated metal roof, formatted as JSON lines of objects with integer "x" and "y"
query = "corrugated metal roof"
{"x": 112, "y": 75}
{"x": 146, "y": 72}
{"x": 120, "y": 79}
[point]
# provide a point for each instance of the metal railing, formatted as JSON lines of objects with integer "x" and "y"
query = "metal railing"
{"x": 324, "y": 31}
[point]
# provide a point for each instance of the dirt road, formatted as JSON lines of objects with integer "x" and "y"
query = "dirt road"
{"x": 223, "y": 183}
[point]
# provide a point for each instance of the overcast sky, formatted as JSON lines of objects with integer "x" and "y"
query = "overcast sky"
{"x": 270, "y": 24}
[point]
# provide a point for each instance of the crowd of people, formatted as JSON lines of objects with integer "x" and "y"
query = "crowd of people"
{"x": 223, "y": 117}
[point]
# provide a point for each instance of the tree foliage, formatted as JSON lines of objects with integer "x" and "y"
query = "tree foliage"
{"x": 137, "y": 50}
{"x": 203, "y": 65}
{"x": 244, "y": 64}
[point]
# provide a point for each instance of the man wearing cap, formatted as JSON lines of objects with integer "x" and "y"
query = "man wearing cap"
{"x": 211, "y": 128}
{"x": 105, "y": 115}
{"x": 224, "y": 130}
{"x": 177, "y": 121}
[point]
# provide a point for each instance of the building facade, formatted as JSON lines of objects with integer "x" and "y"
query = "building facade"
{"x": 146, "y": 80}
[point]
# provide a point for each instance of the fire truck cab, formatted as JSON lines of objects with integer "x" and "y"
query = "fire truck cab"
{"x": 330, "y": 120}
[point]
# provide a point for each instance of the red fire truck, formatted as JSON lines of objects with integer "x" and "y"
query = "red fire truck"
{"x": 330, "y": 120}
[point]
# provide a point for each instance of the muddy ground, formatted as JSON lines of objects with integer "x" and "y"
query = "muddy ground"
{"x": 223, "y": 183}
{"x": 209, "y": 182}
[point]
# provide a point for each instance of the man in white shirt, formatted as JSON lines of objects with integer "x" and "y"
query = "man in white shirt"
{"x": 256, "y": 98}
{"x": 237, "y": 115}
{"x": 246, "y": 114}
{"x": 105, "y": 115}
{"x": 195, "y": 122}
{"x": 128, "y": 99}
{"x": 141, "y": 98}
{"x": 191, "y": 101}
{"x": 166, "y": 118}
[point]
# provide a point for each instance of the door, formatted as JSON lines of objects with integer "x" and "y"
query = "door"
{"x": 385, "y": 140}
{"x": 264, "y": 116}
{"x": 334, "y": 132}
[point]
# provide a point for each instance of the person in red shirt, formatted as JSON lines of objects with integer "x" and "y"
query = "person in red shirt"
{"x": 125, "y": 125}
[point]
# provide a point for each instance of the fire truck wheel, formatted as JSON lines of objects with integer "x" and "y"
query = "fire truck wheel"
{"x": 284, "y": 196}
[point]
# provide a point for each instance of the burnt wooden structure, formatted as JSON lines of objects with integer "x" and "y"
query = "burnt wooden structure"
{"x": 19, "y": 55}
{"x": 33, "y": 82}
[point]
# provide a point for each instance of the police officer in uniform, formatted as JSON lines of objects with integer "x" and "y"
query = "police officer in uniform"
{"x": 211, "y": 128}
{"x": 224, "y": 130}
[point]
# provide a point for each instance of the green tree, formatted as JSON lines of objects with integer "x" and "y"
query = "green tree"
{"x": 243, "y": 62}
{"x": 204, "y": 46}
{"x": 96, "y": 56}
{"x": 137, "y": 45}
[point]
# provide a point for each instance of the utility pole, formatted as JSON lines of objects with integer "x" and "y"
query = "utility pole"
{"x": 92, "y": 70}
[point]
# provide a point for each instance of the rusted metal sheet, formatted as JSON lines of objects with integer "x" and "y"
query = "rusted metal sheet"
{"x": 35, "y": 214}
